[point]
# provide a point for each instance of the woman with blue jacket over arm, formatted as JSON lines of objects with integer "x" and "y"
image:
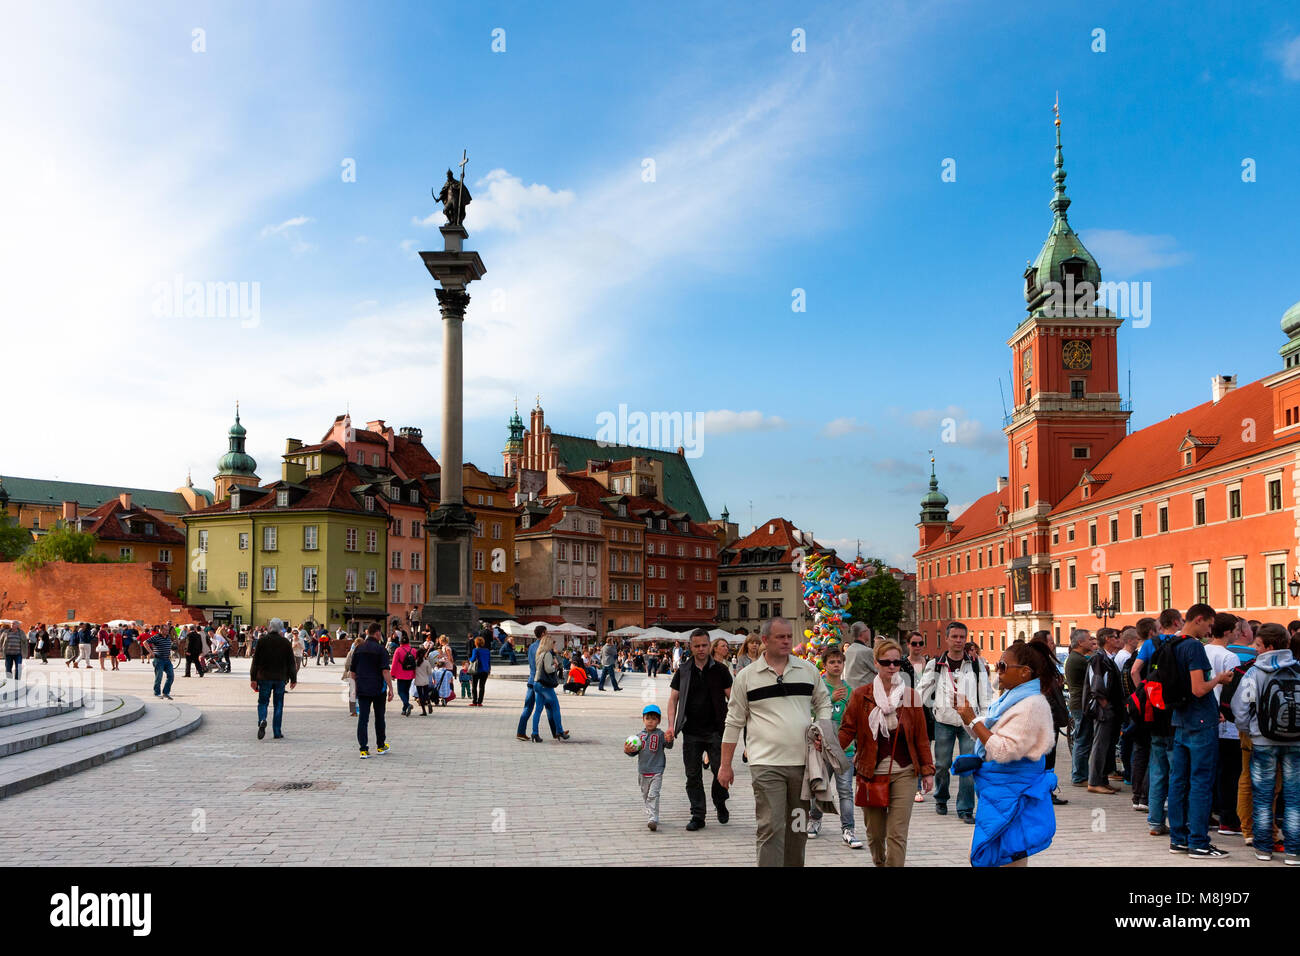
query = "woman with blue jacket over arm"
{"x": 1014, "y": 818}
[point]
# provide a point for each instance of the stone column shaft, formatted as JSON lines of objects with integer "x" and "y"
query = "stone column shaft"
{"x": 452, "y": 303}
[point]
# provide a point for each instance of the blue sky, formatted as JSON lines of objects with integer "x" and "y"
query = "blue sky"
{"x": 137, "y": 159}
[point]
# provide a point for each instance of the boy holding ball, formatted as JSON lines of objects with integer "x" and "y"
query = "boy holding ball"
{"x": 648, "y": 747}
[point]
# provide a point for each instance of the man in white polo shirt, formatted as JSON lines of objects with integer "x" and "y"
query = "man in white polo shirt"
{"x": 773, "y": 702}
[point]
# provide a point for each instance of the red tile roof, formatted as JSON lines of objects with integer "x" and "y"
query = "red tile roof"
{"x": 1151, "y": 456}
{"x": 412, "y": 458}
{"x": 781, "y": 535}
{"x": 329, "y": 447}
{"x": 332, "y": 490}
{"x": 111, "y": 522}
{"x": 979, "y": 519}
{"x": 366, "y": 435}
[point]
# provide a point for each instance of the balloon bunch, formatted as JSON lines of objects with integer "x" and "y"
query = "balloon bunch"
{"x": 826, "y": 595}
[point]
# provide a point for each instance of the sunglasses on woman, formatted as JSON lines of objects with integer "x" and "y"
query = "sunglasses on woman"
{"x": 1003, "y": 665}
{"x": 891, "y": 663}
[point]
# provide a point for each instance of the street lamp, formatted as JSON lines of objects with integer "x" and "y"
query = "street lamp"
{"x": 1294, "y": 584}
{"x": 1105, "y": 610}
{"x": 350, "y": 601}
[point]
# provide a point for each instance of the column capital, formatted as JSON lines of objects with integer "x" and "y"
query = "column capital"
{"x": 452, "y": 302}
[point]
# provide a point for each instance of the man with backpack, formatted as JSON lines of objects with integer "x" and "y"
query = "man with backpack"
{"x": 1266, "y": 707}
{"x": 1227, "y": 627}
{"x": 1184, "y": 685}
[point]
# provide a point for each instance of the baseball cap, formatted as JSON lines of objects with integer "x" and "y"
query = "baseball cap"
{"x": 652, "y": 709}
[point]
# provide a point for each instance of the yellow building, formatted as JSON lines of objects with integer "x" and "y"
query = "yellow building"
{"x": 490, "y": 500}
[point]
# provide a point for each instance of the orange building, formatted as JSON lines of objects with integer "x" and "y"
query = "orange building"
{"x": 1200, "y": 507}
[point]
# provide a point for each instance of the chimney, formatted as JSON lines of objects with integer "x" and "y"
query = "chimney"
{"x": 771, "y": 529}
{"x": 1221, "y": 385}
{"x": 1003, "y": 481}
{"x": 125, "y": 498}
{"x": 70, "y": 512}
{"x": 411, "y": 433}
{"x": 292, "y": 445}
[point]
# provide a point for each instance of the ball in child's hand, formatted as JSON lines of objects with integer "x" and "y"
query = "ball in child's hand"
{"x": 633, "y": 743}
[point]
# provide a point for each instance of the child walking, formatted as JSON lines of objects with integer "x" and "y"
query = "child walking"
{"x": 424, "y": 681}
{"x": 650, "y": 762}
{"x": 466, "y": 682}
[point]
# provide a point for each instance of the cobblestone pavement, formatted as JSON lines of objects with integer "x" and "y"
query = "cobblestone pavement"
{"x": 457, "y": 788}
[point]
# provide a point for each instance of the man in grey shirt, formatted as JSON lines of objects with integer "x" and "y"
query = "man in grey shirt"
{"x": 859, "y": 656}
{"x": 608, "y": 658}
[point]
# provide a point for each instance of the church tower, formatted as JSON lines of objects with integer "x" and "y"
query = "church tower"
{"x": 514, "y": 445}
{"x": 235, "y": 467}
{"x": 934, "y": 512}
{"x": 1068, "y": 409}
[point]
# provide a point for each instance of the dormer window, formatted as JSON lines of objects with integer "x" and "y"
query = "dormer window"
{"x": 370, "y": 502}
{"x": 415, "y": 496}
{"x": 148, "y": 527}
{"x": 1187, "y": 458}
{"x": 282, "y": 499}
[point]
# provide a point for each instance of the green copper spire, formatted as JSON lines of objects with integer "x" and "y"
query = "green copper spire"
{"x": 1063, "y": 264}
{"x": 934, "y": 506}
{"x": 1060, "y": 201}
{"x": 515, "y": 443}
{"x": 236, "y": 461}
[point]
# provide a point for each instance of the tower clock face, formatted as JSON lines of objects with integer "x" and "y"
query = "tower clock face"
{"x": 1077, "y": 354}
{"x": 1029, "y": 364}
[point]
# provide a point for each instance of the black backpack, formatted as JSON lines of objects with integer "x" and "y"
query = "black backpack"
{"x": 1278, "y": 707}
{"x": 1174, "y": 682}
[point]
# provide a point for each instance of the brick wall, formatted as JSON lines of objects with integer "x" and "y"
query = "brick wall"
{"x": 95, "y": 593}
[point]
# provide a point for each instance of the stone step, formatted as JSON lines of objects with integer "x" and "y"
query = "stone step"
{"x": 47, "y": 731}
{"x": 160, "y": 722}
{"x": 25, "y": 713}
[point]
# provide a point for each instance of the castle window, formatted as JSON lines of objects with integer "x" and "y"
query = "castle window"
{"x": 1076, "y": 388}
{"x": 1079, "y": 451}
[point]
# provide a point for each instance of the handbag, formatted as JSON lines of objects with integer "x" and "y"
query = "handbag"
{"x": 547, "y": 678}
{"x": 472, "y": 666}
{"x": 101, "y": 648}
{"x": 878, "y": 786}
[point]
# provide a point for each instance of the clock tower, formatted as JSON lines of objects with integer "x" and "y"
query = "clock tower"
{"x": 1068, "y": 410}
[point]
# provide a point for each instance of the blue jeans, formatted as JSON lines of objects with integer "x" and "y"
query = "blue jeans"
{"x": 1263, "y": 773}
{"x": 1082, "y": 747}
{"x": 844, "y": 789}
{"x": 162, "y": 665}
{"x": 265, "y": 688}
{"x": 945, "y": 736}
{"x": 530, "y": 704}
{"x": 608, "y": 670}
{"x": 1192, "y": 765}
{"x": 546, "y": 698}
{"x": 1158, "y": 779}
{"x": 14, "y": 663}
{"x": 404, "y": 692}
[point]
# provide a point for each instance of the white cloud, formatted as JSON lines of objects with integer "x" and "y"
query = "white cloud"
{"x": 840, "y": 427}
{"x": 721, "y": 421}
{"x": 502, "y": 201}
{"x": 1289, "y": 54}
{"x": 952, "y": 426}
{"x": 1123, "y": 254}
{"x": 288, "y": 224}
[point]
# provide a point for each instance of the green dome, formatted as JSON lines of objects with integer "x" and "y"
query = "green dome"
{"x": 1291, "y": 320}
{"x": 1063, "y": 246}
{"x": 934, "y": 506}
{"x": 236, "y": 463}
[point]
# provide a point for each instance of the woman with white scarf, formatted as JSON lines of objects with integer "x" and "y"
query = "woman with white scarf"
{"x": 885, "y": 721}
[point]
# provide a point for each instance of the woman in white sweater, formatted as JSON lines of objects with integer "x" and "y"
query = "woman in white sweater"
{"x": 1015, "y": 818}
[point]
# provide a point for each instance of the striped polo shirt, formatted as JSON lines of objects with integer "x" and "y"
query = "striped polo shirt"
{"x": 162, "y": 645}
{"x": 776, "y": 711}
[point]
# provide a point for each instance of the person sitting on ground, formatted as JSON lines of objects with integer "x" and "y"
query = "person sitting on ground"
{"x": 578, "y": 679}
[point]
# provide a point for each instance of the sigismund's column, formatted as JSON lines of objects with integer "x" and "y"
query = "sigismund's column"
{"x": 450, "y": 609}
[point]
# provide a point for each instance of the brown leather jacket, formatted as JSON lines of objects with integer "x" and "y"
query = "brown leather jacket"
{"x": 854, "y": 728}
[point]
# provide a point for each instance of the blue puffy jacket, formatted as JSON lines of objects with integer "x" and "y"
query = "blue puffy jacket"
{"x": 1014, "y": 817}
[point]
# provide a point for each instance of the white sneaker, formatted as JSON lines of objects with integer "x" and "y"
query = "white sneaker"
{"x": 851, "y": 840}
{"x": 814, "y": 829}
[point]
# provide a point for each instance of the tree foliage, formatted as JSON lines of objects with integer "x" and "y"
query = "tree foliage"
{"x": 14, "y": 540}
{"x": 60, "y": 544}
{"x": 878, "y": 603}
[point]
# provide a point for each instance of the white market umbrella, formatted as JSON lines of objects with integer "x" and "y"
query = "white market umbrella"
{"x": 515, "y": 629}
{"x": 121, "y": 622}
{"x": 576, "y": 630}
{"x": 656, "y": 634}
{"x": 630, "y": 630}
{"x": 718, "y": 632}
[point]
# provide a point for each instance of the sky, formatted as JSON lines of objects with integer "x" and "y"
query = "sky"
{"x": 737, "y": 211}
